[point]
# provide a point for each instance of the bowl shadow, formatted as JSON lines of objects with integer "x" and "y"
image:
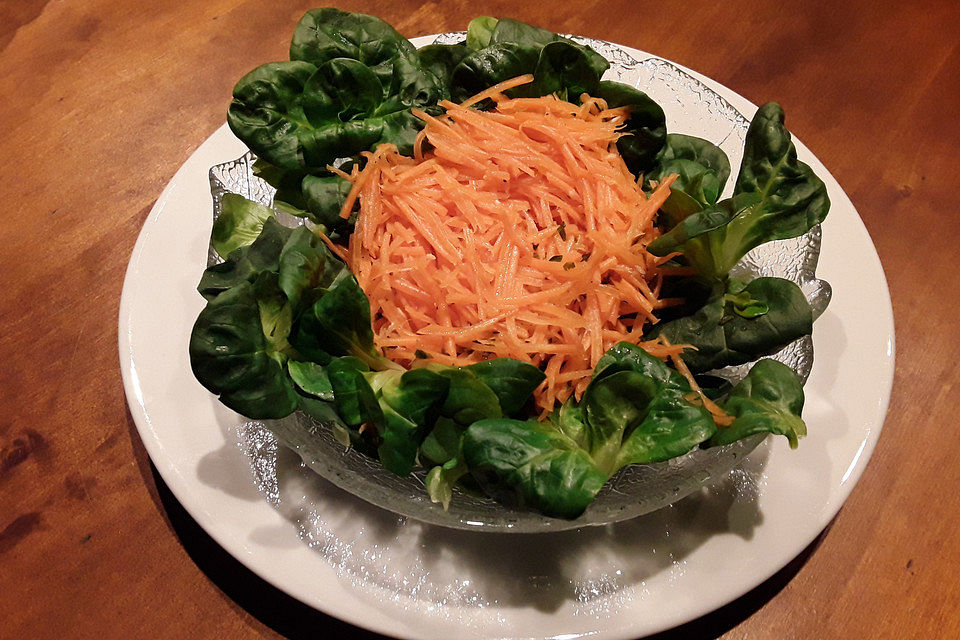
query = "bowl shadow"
{"x": 547, "y": 580}
{"x": 293, "y": 619}
{"x": 545, "y": 571}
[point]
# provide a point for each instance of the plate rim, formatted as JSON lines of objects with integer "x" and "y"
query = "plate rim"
{"x": 179, "y": 485}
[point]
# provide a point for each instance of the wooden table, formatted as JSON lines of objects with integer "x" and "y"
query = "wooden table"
{"x": 101, "y": 102}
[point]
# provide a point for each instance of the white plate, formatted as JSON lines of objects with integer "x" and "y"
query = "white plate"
{"x": 412, "y": 580}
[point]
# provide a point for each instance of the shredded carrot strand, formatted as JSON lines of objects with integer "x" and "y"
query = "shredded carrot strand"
{"x": 497, "y": 89}
{"x": 720, "y": 417}
{"x": 337, "y": 249}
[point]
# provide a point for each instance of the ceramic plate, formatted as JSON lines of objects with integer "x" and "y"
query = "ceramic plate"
{"x": 405, "y": 578}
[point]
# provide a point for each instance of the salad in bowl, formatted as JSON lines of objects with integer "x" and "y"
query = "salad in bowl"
{"x": 480, "y": 282}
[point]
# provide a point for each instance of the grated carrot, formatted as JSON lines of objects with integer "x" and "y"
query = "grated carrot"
{"x": 720, "y": 417}
{"x": 517, "y": 232}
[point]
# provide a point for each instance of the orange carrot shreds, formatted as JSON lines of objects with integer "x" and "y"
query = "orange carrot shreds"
{"x": 360, "y": 179}
{"x": 517, "y": 232}
{"x": 338, "y": 250}
{"x": 664, "y": 303}
{"x": 498, "y": 89}
{"x": 720, "y": 417}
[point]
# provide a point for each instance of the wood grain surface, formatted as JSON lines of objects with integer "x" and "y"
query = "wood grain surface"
{"x": 102, "y": 100}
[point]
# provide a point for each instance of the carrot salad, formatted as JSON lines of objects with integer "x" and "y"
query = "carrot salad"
{"x": 515, "y": 232}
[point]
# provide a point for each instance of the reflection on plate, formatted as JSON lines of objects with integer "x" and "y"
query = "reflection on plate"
{"x": 410, "y": 579}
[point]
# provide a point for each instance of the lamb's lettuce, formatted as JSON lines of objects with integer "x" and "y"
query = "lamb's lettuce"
{"x": 338, "y": 324}
{"x": 441, "y": 60}
{"x": 353, "y": 396}
{"x": 318, "y": 196}
{"x": 442, "y": 444}
{"x": 565, "y": 70}
{"x": 323, "y": 197}
{"x": 411, "y": 401}
{"x": 635, "y": 410}
{"x": 469, "y": 399}
{"x": 744, "y": 322}
{"x": 311, "y": 379}
{"x": 349, "y": 86}
{"x": 479, "y": 32}
{"x": 509, "y": 30}
{"x": 646, "y": 130}
{"x": 638, "y": 410}
{"x": 502, "y": 49}
{"x": 768, "y": 400}
{"x": 259, "y": 301}
{"x": 702, "y": 170}
{"x": 442, "y": 478}
{"x": 328, "y": 34}
{"x": 486, "y": 67}
{"x": 230, "y": 356}
{"x": 245, "y": 263}
{"x": 624, "y": 405}
{"x": 531, "y": 464}
{"x": 238, "y": 225}
{"x": 510, "y": 380}
{"x": 325, "y": 34}
{"x": 776, "y": 196}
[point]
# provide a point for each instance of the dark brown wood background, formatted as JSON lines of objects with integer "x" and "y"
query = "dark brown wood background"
{"x": 102, "y": 100}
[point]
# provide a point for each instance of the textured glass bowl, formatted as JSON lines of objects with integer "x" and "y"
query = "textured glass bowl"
{"x": 692, "y": 108}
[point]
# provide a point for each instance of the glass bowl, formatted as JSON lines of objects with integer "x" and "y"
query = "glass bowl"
{"x": 692, "y": 108}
